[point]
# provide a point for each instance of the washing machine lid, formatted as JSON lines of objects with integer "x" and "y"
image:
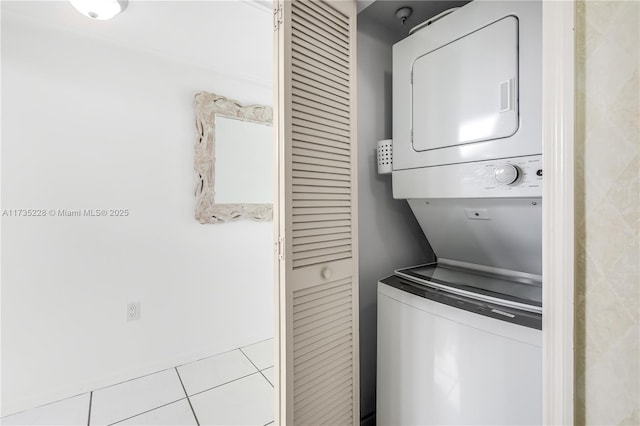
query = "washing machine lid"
{"x": 499, "y": 233}
{"x": 518, "y": 291}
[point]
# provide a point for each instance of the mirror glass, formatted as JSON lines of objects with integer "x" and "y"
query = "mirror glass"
{"x": 243, "y": 161}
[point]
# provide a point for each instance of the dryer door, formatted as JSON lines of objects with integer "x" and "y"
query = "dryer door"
{"x": 467, "y": 90}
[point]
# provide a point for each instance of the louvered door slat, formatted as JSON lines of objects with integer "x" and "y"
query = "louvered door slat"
{"x": 320, "y": 190}
{"x": 320, "y": 238}
{"x": 320, "y": 371}
{"x": 322, "y": 225}
{"x": 303, "y": 248}
{"x": 305, "y": 156}
{"x": 335, "y": 217}
{"x": 321, "y": 231}
{"x": 326, "y": 362}
{"x": 320, "y": 210}
{"x": 325, "y": 300}
{"x": 327, "y": 11}
{"x": 325, "y": 203}
{"x": 319, "y": 67}
{"x": 302, "y": 45}
{"x": 328, "y": 348}
{"x": 309, "y": 254}
{"x": 329, "y": 321}
{"x": 304, "y": 91}
{"x": 309, "y": 108}
{"x": 322, "y": 134}
{"x": 320, "y": 297}
{"x": 326, "y": 388}
{"x": 338, "y": 28}
{"x": 317, "y": 369}
{"x": 318, "y": 64}
{"x": 321, "y": 259}
{"x": 329, "y": 84}
{"x": 307, "y": 43}
{"x": 312, "y": 410}
{"x": 330, "y": 111}
{"x": 320, "y": 337}
{"x": 317, "y": 317}
{"x": 321, "y": 203}
{"x": 309, "y": 18}
{"x": 321, "y": 34}
{"x": 320, "y": 386}
{"x": 319, "y": 40}
{"x": 319, "y": 102}
{"x": 309, "y": 83}
{"x": 312, "y": 196}
{"x": 338, "y": 417}
{"x": 321, "y": 182}
{"x": 322, "y": 145}
{"x": 309, "y": 124}
{"x": 342, "y": 404}
{"x": 320, "y": 175}
{"x": 310, "y": 372}
{"x": 319, "y": 123}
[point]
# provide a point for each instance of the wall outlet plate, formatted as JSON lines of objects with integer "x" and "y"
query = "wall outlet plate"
{"x": 133, "y": 311}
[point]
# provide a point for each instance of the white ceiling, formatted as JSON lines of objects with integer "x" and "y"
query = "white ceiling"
{"x": 232, "y": 37}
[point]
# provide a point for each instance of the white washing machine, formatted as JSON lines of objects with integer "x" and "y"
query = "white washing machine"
{"x": 447, "y": 358}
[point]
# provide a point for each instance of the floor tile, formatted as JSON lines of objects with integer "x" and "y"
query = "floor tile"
{"x": 71, "y": 411}
{"x": 268, "y": 373}
{"x": 134, "y": 397}
{"x": 261, "y": 354}
{"x": 248, "y": 401}
{"x": 210, "y": 372}
{"x": 177, "y": 413}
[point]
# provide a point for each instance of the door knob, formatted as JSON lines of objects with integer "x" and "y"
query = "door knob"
{"x": 326, "y": 273}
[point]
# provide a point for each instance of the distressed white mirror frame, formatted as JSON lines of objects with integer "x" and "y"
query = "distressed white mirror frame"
{"x": 208, "y": 106}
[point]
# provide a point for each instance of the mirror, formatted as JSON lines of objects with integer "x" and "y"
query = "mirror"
{"x": 233, "y": 160}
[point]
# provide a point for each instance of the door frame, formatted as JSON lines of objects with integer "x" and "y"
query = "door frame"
{"x": 558, "y": 98}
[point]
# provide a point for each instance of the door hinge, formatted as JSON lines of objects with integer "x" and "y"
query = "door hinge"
{"x": 279, "y": 248}
{"x": 277, "y": 17}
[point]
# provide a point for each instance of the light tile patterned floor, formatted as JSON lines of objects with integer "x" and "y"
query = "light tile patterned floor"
{"x": 232, "y": 388}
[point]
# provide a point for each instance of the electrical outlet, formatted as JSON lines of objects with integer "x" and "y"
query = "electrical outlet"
{"x": 133, "y": 311}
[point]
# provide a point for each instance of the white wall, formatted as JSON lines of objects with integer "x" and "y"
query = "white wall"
{"x": 390, "y": 237}
{"x": 87, "y": 124}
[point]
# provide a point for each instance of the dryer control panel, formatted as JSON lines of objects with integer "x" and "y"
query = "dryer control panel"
{"x": 507, "y": 174}
{"x": 510, "y": 177}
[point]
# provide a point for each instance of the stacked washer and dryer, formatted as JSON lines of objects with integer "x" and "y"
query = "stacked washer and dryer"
{"x": 459, "y": 340}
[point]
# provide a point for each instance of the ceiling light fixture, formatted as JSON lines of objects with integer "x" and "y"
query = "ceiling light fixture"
{"x": 100, "y": 10}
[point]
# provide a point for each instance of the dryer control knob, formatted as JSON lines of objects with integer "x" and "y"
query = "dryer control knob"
{"x": 506, "y": 174}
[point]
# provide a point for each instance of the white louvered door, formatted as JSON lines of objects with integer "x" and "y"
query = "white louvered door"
{"x": 317, "y": 367}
